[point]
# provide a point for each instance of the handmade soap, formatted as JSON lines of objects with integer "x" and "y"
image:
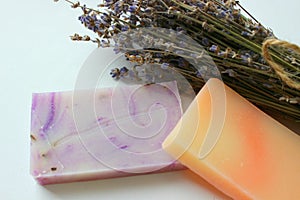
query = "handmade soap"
{"x": 109, "y": 132}
{"x": 244, "y": 153}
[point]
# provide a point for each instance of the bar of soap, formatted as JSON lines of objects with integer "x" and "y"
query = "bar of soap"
{"x": 109, "y": 132}
{"x": 236, "y": 147}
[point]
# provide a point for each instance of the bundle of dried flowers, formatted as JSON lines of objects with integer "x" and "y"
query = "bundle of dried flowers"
{"x": 248, "y": 55}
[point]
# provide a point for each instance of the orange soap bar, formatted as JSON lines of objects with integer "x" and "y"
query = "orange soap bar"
{"x": 236, "y": 147}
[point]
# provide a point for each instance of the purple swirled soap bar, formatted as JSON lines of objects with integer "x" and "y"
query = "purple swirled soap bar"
{"x": 110, "y": 132}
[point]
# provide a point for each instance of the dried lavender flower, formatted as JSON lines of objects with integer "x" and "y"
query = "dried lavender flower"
{"x": 233, "y": 41}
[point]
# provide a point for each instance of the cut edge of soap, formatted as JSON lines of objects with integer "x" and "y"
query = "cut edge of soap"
{"x": 49, "y": 179}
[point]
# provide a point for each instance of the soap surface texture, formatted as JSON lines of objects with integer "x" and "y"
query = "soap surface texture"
{"x": 109, "y": 132}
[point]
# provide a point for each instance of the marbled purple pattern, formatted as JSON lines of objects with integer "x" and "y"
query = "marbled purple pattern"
{"x": 51, "y": 113}
{"x": 87, "y": 135}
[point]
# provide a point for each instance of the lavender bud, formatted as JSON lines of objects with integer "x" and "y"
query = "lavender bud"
{"x": 165, "y": 65}
{"x": 132, "y": 9}
{"x": 214, "y": 48}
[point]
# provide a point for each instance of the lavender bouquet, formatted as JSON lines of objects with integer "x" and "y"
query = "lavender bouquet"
{"x": 252, "y": 61}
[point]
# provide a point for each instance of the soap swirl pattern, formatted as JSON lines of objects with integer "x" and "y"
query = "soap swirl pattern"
{"x": 110, "y": 131}
{"x": 132, "y": 122}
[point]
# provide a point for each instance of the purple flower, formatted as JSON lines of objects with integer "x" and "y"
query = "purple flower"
{"x": 165, "y": 65}
{"x": 211, "y": 13}
{"x": 116, "y": 50}
{"x": 104, "y": 43}
{"x": 115, "y": 73}
{"x": 246, "y": 33}
{"x": 90, "y": 21}
{"x": 246, "y": 58}
{"x": 125, "y": 28}
{"x": 85, "y": 19}
{"x": 132, "y": 9}
{"x": 222, "y": 14}
{"x": 118, "y": 7}
{"x": 123, "y": 71}
{"x": 222, "y": 53}
{"x": 200, "y": 5}
{"x": 214, "y": 48}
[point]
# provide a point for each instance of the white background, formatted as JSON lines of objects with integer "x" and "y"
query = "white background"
{"x": 36, "y": 55}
